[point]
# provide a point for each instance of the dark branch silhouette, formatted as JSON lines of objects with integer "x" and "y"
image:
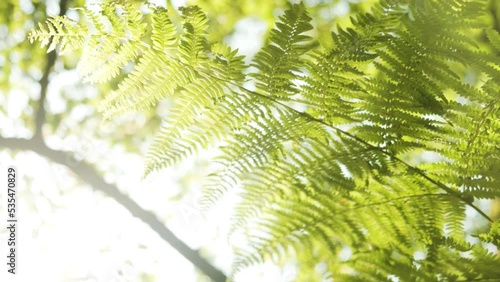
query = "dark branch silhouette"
{"x": 88, "y": 174}
{"x": 44, "y": 81}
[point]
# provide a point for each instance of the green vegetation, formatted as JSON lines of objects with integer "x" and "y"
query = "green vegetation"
{"x": 328, "y": 142}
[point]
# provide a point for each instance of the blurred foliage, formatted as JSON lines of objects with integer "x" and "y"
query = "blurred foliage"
{"x": 326, "y": 14}
{"x": 330, "y": 146}
{"x": 23, "y": 64}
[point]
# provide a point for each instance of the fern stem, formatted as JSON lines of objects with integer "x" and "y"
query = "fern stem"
{"x": 396, "y": 199}
{"x": 439, "y": 184}
{"x": 408, "y": 166}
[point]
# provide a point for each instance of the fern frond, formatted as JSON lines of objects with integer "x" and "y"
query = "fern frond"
{"x": 280, "y": 62}
{"x": 348, "y": 172}
{"x": 193, "y": 42}
{"x": 60, "y": 31}
{"x": 207, "y": 115}
{"x": 164, "y": 34}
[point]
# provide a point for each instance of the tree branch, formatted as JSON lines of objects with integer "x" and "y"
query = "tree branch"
{"x": 88, "y": 174}
{"x": 44, "y": 82}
